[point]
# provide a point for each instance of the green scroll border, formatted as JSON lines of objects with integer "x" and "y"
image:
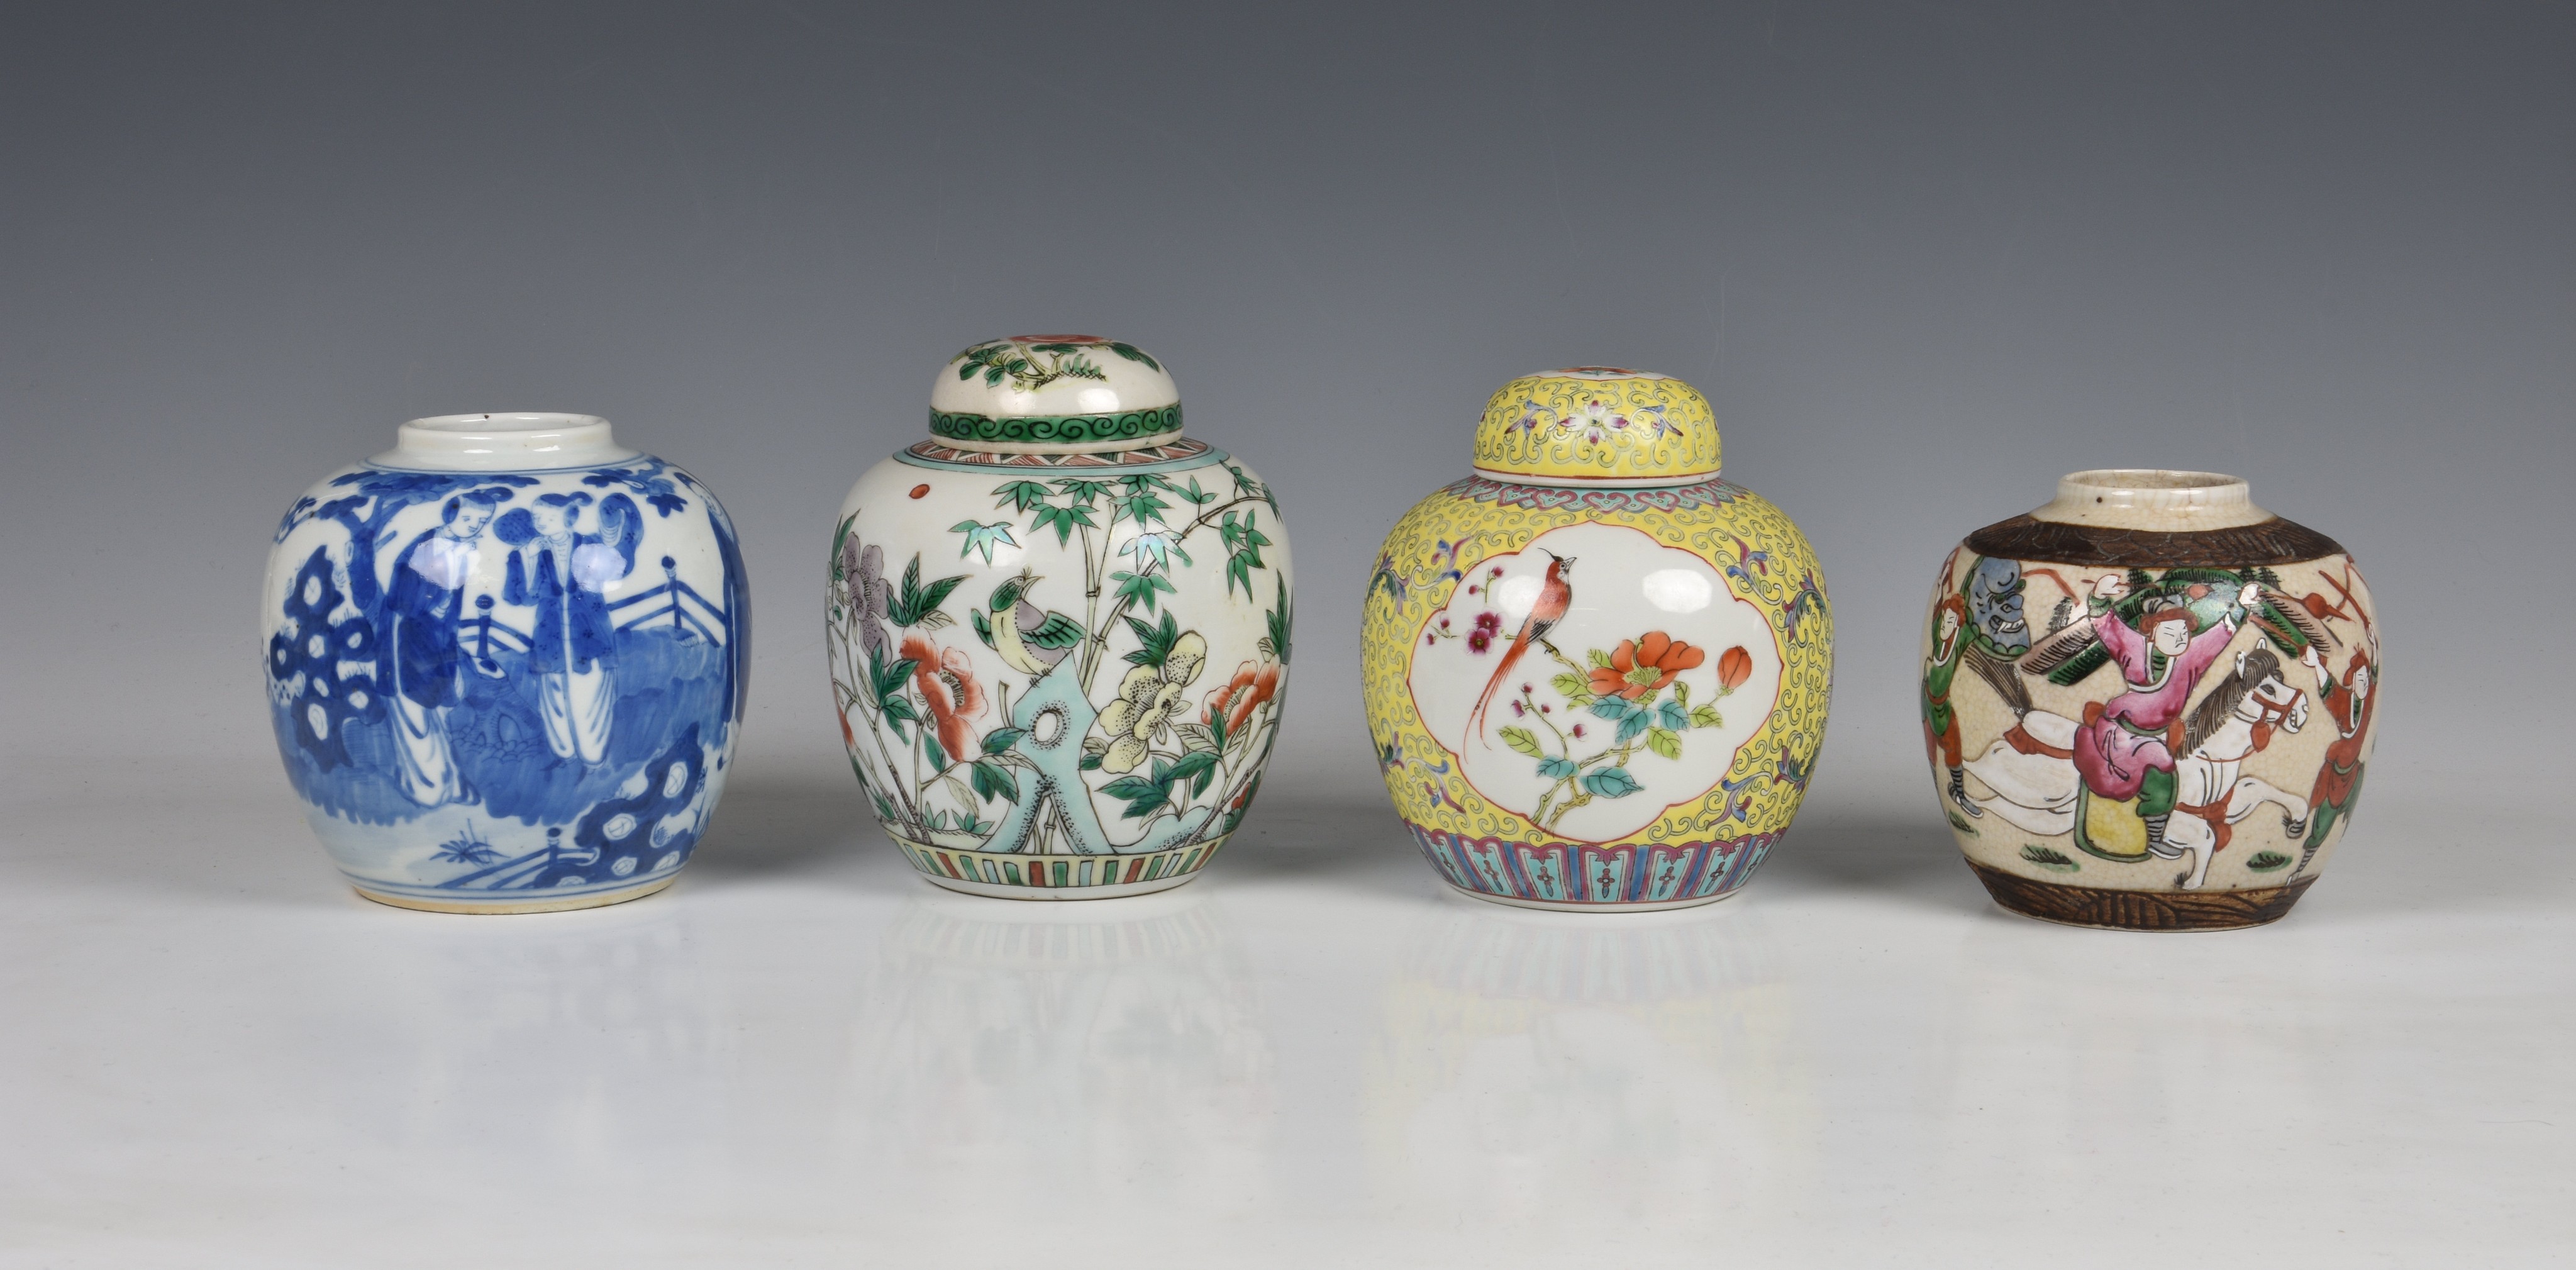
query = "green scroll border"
{"x": 1058, "y": 429}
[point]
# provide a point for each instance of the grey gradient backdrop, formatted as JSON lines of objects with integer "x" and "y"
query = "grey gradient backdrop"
{"x": 1923, "y": 258}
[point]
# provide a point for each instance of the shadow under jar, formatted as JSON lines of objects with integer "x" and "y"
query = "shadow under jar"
{"x": 2149, "y": 704}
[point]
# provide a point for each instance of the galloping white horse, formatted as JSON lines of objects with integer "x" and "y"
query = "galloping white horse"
{"x": 2035, "y": 787}
{"x": 2234, "y": 721}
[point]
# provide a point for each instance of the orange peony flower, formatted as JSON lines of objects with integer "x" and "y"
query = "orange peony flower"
{"x": 1657, "y": 652}
{"x": 1242, "y": 695}
{"x": 1734, "y": 666}
{"x": 946, "y": 680}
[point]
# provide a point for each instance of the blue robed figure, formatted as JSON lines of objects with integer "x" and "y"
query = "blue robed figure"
{"x": 424, "y": 653}
{"x": 572, "y": 646}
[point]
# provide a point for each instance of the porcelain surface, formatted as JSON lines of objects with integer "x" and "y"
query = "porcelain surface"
{"x": 2169, "y": 704}
{"x": 505, "y": 664}
{"x": 1059, "y": 630}
{"x": 1594, "y": 697}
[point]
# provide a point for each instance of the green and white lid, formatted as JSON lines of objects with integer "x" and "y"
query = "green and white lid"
{"x": 1054, "y": 394}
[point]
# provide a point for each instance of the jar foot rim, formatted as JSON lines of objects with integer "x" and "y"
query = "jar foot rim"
{"x": 565, "y": 904}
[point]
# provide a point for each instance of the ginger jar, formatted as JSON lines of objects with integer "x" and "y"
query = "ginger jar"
{"x": 2168, "y": 704}
{"x": 506, "y": 664}
{"x": 1596, "y": 672}
{"x": 1058, "y": 629}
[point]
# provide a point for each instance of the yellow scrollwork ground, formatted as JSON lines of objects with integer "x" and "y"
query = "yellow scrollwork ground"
{"x": 1763, "y": 558}
{"x": 1598, "y": 423}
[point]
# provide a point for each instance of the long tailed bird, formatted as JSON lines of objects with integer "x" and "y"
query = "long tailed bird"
{"x": 1549, "y": 609}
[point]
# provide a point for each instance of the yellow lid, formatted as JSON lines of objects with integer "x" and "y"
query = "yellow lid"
{"x": 1597, "y": 425}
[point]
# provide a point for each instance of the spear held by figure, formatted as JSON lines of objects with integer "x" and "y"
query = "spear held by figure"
{"x": 1545, "y": 612}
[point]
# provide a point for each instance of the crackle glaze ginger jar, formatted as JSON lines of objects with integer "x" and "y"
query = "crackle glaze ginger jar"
{"x": 505, "y": 664}
{"x": 2179, "y": 746}
{"x": 1596, "y": 673}
{"x": 1058, "y": 629}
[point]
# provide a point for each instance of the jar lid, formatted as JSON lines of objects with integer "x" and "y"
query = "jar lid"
{"x": 1597, "y": 426}
{"x": 1054, "y": 394}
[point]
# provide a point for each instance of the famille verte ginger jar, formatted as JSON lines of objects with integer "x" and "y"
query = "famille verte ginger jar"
{"x": 1596, "y": 673}
{"x": 1058, "y": 628}
{"x": 505, "y": 664}
{"x": 2168, "y": 704}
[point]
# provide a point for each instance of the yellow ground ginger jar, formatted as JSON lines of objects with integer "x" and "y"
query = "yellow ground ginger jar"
{"x": 1596, "y": 673}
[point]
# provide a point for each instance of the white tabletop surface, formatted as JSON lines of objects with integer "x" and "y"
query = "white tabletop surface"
{"x": 216, "y": 1055}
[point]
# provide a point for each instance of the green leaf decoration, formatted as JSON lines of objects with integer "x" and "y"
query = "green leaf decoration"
{"x": 1154, "y": 643}
{"x": 1667, "y": 744}
{"x": 983, "y": 537}
{"x": 1555, "y": 769}
{"x": 1523, "y": 740}
{"x": 1064, "y": 520}
{"x": 1198, "y": 736}
{"x": 840, "y": 536}
{"x": 1243, "y": 541}
{"x": 1133, "y": 353}
{"x": 913, "y": 604}
{"x": 1197, "y": 765}
{"x": 1144, "y": 796}
{"x": 1570, "y": 685}
{"x": 1634, "y": 725}
{"x": 2054, "y": 861}
{"x": 1681, "y": 694}
{"x": 1599, "y": 659}
{"x": 1020, "y": 495}
{"x": 938, "y": 754}
{"x": 992, "y": 780}
{"x": 1671, "y": 716}
{"x": 1143, "y": 507}
{"x": 1082, "y": 492}
{"x": 887, "y": 679}
{"x": 1282, "y": 624}
{"x": 1706, "y": 717}
{"x": 1138, "y": 588}
{"x": 1611, "y": 782}
{"x": 1000, "y": 739}
{"x": 983, "y": 629}
{"x": 2268, "y": 861}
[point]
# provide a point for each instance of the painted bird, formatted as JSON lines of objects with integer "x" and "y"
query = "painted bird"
{"x": 1031, "y": 639}
{"x": 1549, "y": 609}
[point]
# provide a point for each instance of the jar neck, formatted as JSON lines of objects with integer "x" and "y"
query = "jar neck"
{"x": 503, "y": 441}
{"x": 1621, "y": 482}
{"x": 2153, "y": 499}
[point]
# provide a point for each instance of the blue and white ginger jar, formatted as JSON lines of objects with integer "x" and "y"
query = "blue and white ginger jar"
{"x": 506, "y": 664}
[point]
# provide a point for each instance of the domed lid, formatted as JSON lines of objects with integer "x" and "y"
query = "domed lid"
{"x": 1054, "y": 394}
{"x": 1600, "y": 426}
